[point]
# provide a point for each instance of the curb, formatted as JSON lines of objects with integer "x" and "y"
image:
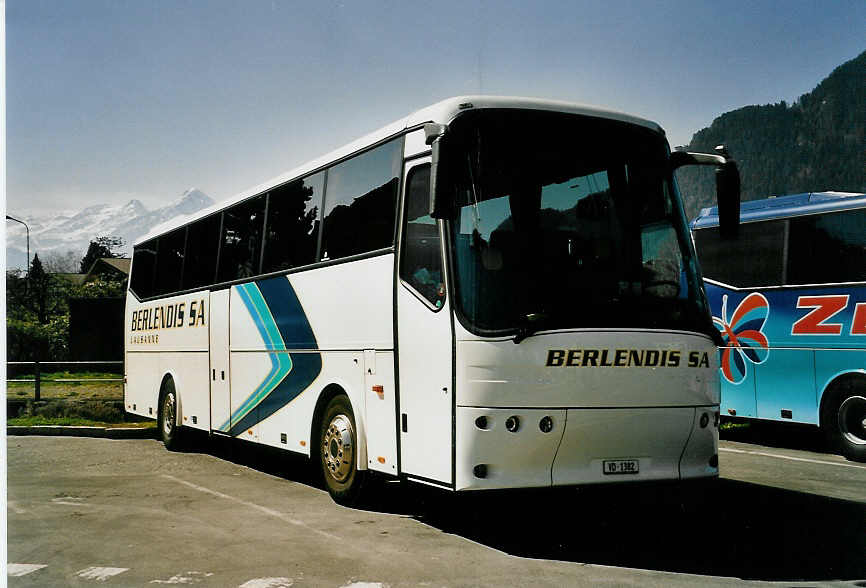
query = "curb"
{"x": 99, "y": 432}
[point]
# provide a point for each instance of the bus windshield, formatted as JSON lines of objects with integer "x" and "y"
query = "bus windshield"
{"x": 565, "y": 221}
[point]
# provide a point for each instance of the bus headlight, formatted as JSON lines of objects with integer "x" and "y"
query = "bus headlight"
{"x": 546, "y": 424}
{"x": 705, "y": 420}
{"x": 513, "y": 424}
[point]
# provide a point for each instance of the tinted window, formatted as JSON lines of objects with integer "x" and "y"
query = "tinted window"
{"x": 143, "y": 264}
{"x": 755, "y": 258}
{"x": 420, "y": 257}
{"x": 557, "y": 225}
{"x": 828, "y": 248}
{"x": 360, "y": 202}
{"x": 169, "y": 262}
{"x": 293, "y": 224}
{"x": 201, "y": 251}
{"x": 241, "y": 243}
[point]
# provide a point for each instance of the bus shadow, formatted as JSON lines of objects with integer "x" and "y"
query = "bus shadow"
{"x": 747, "y": 531}
{"x": 752, "y": 532}
{"x": 780, "y": 435}
{"x": 268, "y": 460}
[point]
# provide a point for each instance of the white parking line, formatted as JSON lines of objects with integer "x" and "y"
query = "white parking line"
{"x": 264, "y": 509}
{"x": 187, "y": 578}
{"x": 69, "y": 501}
{"x": 18, "y": 570}
{"x": 99, "y": 573}
{"x": 792, "y": 458}
{"x": 268, "y": 583}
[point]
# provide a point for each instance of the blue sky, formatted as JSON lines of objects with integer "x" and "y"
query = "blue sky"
{"x": 109, "y": 100}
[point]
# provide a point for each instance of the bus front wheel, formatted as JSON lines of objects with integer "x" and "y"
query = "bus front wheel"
{"x": 845, "y": 420}
{"x": 338, "y": 452}
{"x": 169, "y": 430}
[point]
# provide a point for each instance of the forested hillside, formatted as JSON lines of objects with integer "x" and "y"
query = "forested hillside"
{"x": 815, "y": 144}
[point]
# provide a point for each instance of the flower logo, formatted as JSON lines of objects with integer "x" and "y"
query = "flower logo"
{"x": 743, "y": 336}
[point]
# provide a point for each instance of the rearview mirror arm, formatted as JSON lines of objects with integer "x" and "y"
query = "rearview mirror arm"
{"x": 727, "y": 185}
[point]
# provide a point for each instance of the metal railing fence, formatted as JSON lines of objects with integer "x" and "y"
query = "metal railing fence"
{"x": 37, "y": 373}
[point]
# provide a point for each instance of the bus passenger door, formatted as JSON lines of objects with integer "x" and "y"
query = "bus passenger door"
{"x": 424, "y": 337}
{"x": 220, "y": 403}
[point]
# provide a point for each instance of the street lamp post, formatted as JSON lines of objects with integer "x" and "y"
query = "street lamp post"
{"x": 28, "y": 240}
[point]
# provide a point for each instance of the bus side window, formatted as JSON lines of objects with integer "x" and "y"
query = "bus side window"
{"x": 420, "y": 255}
{"x": 828, "y": 248}
{"x": 169, "y": 261}
{"x": 361, "y": 202}
{"x": 201, "y": 245}
{"x": 241, "y": 244}
{"x": 293, "y": 224}
{"x": 143, "y": 269}
{"x": 753, "y": 260}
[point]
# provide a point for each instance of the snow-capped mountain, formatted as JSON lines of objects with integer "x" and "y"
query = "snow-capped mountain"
{"x": 59, "y": 232}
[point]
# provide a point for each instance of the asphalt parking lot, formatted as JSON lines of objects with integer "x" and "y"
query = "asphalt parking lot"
{"x": 129, "y": 513}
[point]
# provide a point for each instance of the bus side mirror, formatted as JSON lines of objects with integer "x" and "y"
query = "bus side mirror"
{"x": 728, "y": 199}
{"x": 435, "y": 134}
{"x": 727, "y": 186}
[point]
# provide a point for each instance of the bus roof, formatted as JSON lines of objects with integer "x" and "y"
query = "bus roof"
{"x": 785, "y": 206}
{"x": 441, "y": 112}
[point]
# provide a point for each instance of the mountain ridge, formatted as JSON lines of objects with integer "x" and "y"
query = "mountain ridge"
{"x": 813, "y": 145}
{"x": 63, "y": 231}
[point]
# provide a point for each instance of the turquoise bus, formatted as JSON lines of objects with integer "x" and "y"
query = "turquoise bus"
{"x": 788, "y": 297}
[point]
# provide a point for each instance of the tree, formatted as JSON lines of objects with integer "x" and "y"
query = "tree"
{"x": 104, "y": 286}
{"x": 40, "y": 299}
{"x": 37, "y": 315}
{"x": 99, "y": 248}
{"x": 61, "y": 263}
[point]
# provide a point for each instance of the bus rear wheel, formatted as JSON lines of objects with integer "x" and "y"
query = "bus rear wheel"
{"x": 169, "y": 430}
{"x": 845, "y": 420}
{"x": 338, "y": 452}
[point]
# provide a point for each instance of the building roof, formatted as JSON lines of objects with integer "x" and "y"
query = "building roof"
{"x": 114, "y": 265}
{"x": 118, "y": 263}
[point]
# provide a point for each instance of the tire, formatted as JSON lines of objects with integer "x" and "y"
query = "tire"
{"x": 844, "y": 419}
{"x": 169, "y": 430}
{"x": 338, "y": 452}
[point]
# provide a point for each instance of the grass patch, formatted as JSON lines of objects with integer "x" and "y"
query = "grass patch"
{"x": 733, "y": 426}
{"x": 50, "y": 387}
{"x": 38, "y": 420}
{"x": 71, "y": 411}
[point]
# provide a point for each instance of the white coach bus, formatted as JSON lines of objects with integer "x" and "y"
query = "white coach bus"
{"x": 488, "y": 293}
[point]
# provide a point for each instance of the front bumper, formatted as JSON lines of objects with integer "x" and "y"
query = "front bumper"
{"x": 668, "y": 443}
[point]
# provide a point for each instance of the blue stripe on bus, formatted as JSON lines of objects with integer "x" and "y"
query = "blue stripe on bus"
{"x": 281, "y": 363}
{"x": 282, "y": 324}
{"x": 288, "y": 314}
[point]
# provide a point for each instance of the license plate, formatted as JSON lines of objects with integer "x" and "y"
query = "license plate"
{"x": 621, "y": 466}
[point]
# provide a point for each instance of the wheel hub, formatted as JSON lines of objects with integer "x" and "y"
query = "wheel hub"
{"x": 337, "y": 449}
{"x": 168, "y": 414}
{"x": 852, "y": 419}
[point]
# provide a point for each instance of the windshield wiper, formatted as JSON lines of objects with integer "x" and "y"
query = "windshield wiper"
{"x": 530, "y": 324}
